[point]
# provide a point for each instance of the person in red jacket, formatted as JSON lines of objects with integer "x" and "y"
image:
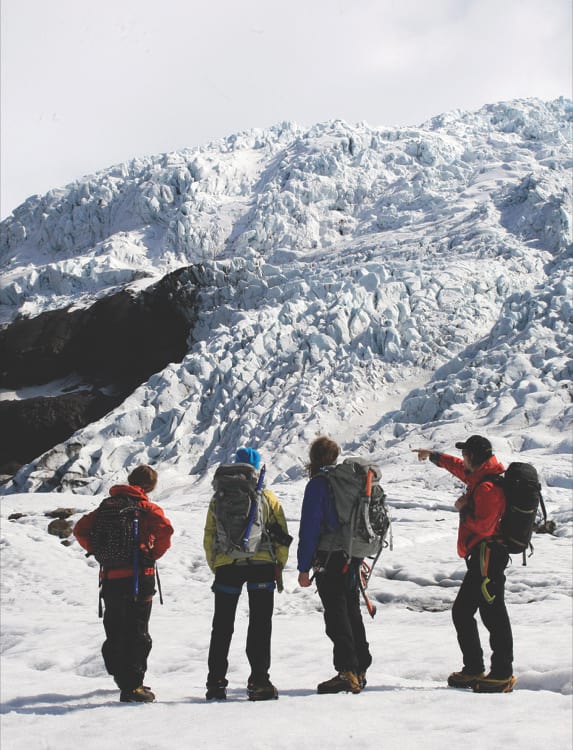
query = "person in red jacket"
{"x": 481, "y": 509}
{"x": 127, "y": 608}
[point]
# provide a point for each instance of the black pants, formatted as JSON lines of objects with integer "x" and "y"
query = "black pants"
{"x": 487, "y": 561}
{"x": 340, "y": 598}
{"x": 128, "y": 642}
{"x": 229, "y": 580}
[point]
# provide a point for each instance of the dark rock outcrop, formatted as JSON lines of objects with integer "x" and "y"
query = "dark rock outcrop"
{"x": 113, "y": 346}
{"x": 32, "y": 426}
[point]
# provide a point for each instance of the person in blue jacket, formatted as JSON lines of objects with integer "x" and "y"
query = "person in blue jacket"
{"x": 337, "y": 588}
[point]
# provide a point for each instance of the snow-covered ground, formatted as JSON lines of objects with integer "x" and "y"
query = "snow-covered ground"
{"x": 393, "y": 288}
{"x": 56, "y": 693}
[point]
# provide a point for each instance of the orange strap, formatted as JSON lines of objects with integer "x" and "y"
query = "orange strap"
{"x": 369, "y": 475}
{"x": 484, "y": 558}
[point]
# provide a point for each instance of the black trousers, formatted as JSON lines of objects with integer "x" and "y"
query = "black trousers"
{"x": 483, "y": 589}
{"x": 227, "y": 587}
{"x": 340, "y": 598}
{"x": 126, "y": 621}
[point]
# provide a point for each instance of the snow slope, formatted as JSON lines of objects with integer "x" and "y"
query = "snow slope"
{"x": 393, "y": 288}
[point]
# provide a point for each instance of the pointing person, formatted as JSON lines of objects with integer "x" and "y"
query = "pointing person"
{"x": 481, "y": 509}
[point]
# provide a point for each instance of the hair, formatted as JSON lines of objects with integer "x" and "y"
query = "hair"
{"x": 143, "y": 476}
{"x": 479, "y": 456}
{"x": 322, "y": 452}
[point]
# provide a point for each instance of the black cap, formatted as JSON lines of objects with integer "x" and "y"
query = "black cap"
{"x": 476, "y": 444}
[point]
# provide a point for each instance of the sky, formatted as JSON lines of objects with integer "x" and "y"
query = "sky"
{"x": 85, "y": 84}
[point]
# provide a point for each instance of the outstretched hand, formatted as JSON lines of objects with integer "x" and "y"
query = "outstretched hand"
{"x": 423, "y": 453}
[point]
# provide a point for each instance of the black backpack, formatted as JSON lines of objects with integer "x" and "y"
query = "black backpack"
{"x": 114, "y": 534}
{"x": 523, "y": 498}
{"x": 522, "y": 490}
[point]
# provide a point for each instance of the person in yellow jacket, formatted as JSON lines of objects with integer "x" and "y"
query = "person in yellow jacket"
{"x": 260, "y": 569}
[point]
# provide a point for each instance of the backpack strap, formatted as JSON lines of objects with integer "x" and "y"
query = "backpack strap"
{"x": 160, "y": 592}
{"x": 360, "y": 506}
{"x": 544, "y": 514}
{"x": 253, "y": 509}
{"x": 136, "y": 555}
{"x": 542, "y": 504}
{"x": 100, "y": 591}
{"x": 323, "y": 564}
{"x": 275, "y": 534}
{"x": 493, "y": 478}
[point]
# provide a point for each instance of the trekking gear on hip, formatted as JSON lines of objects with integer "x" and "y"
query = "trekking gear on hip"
{"x": 364, "y": 575}
{"x": 115, "y": 531}
{"x": 136, "y": 555}
{"x": 239, "y": 508}
{"x": 360, "y": 505}
{"x": 484, "y": 555}
{"x": 279, "y": 535}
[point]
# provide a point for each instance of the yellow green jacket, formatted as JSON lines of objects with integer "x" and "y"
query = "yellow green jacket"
{"x": 272, "y": 512}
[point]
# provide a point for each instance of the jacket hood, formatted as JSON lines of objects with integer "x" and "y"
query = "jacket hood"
{"x": 128, "y": 489}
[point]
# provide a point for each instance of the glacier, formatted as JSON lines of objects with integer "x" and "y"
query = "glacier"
{"x": 381, "y": 284}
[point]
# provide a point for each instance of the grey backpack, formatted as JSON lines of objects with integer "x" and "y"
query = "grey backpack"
{"x": 239, "y": 508}
{"x": 360, "y": 504}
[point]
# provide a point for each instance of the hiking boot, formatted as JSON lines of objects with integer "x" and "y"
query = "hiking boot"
{"x": 362, "y": 679}
{"x": 489, "y": 684}
{"x": 261, "y": 690}
{"x": 464, "y": 679}
{"x": 141, "y": 694}
{"x": 217, "y": 690}
{"x": 343, "y": 682}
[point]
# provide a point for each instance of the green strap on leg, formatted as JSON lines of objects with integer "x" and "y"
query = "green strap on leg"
{"x": 485, "y": 593}
{"x": 484, "y": 565}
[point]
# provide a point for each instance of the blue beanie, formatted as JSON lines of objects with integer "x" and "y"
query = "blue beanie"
{"x": 248, "y": 456}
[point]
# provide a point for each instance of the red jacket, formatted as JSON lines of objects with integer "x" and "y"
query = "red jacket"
{"x": 483, "y": 519}
{"x": 155, "y": 529}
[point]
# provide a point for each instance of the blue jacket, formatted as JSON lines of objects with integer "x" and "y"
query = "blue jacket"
{"x": 318, "y": 515}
